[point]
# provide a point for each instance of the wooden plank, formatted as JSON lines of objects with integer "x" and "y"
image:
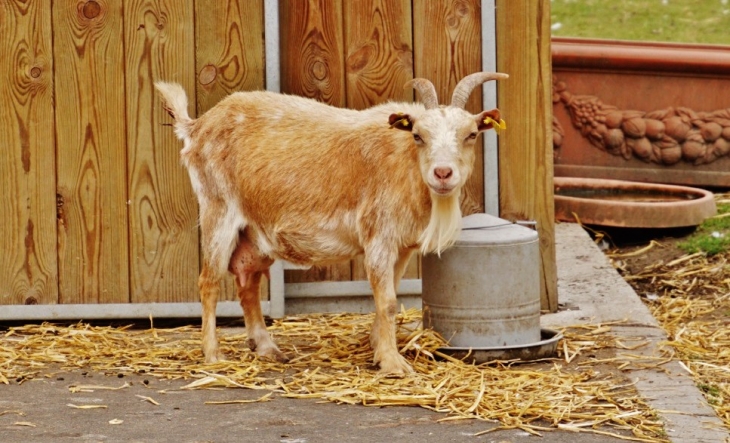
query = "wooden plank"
{"x": 91, "y": 147}
{"x": 312, "y": 65}
{"x": 28, "y": 263}
{"x": 447, "y": 43}
{"x": 229, "y": 57}
{"x": 159, "y": 45}
{"x": 525, "y": 149}
{"x": 378, "y": 62}
{"x": 312, "y": 49}
{"x": 379, "y": 51}
{"x": 229, "y": 54}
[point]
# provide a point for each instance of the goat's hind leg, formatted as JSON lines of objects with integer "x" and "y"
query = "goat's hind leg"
{"x": 209, "y": 285}
{"x": 249, "y": 266}
{"x": 218, "y": 241}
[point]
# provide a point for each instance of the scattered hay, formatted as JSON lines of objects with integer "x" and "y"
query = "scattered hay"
{"x": 333, "y": 362}
{"x": 690, "y": 297}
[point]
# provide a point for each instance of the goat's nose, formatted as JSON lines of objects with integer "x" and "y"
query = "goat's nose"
{"x": 443, "y": 173}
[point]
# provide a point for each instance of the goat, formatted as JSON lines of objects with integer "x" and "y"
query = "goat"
{"x": 285, "y": 177}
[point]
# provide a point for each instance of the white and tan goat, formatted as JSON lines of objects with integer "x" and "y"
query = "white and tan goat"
{"x": 286, "y": 177}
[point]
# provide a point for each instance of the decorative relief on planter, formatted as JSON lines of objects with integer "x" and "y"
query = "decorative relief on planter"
{"x": 664, "y": 137}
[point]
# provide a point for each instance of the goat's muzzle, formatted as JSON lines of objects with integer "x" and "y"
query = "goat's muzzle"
{"x": 442, "y": 183}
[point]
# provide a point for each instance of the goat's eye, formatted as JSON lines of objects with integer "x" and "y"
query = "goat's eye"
{"x": 472, "y": 136}
{"x": 417, "y": 138}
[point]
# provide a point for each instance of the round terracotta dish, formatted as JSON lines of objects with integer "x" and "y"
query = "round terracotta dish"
{"x": 630, "y": 204}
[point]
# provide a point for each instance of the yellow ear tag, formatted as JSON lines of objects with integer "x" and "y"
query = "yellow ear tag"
{"x": 403, "y": 121}
{"x": 497, "y": 126}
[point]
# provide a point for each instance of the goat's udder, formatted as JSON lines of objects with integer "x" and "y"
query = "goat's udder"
{"x": 247, "y": 260}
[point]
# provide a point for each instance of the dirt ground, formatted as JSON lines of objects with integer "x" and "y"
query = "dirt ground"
{"x": 689, "y": 294}
{"x": 624, "y": 242}
{"x": 645, "y": 258}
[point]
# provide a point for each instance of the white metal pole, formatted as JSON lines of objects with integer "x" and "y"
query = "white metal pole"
{"x": 489, "y": 63}
{"x": 273, "y": 83}
{"x": 271, "y": 44}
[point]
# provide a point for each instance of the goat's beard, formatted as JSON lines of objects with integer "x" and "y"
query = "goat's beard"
{"x": 444, "y": 225}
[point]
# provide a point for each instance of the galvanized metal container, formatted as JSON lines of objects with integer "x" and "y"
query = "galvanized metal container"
{"x": 484, "y": 292}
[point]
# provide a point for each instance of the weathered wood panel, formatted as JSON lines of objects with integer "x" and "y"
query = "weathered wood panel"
{"x": 447, "y": 42}
{"x": 378, "y": 62}
{"x": 229, "y": 54}
{"x": 124, "y": 224}
{"x": 378, "y": 51}
{"x": 93, "y": 265}
{"x": 312, "y": 49}
{"x": 28, "y": 262}
{"x": 525, "y": 149}
{"x": 159, "y": 44}
{"x": 229, "y": 57}
{"x": 312, "y": 65}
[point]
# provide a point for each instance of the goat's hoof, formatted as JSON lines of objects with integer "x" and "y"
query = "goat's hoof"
{"x": 281, "y": 357}
{"x": 251, "y": 344}
{"x": 273, "y": 354}
{"x": 214, "y": 357}
{"x": 268, "y": 351}
{"x": 395, "y": 366}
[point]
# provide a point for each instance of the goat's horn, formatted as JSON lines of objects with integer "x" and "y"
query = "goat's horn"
{"x": 467, "y": 84}
{"x": 427, "y": 91}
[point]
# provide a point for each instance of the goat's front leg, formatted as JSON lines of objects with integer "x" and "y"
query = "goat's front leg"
{"x": 382, "y": 276}
{"x": 404, "y": 257}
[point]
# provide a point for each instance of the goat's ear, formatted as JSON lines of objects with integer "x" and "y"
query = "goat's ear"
{"x": 491, "y": 120}
{"x": 401, "y": 121}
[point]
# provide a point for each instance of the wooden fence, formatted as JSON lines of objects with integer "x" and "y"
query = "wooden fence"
{"x": 98, "y": 208}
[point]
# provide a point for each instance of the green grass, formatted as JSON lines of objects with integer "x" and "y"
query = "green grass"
{"x": 685, "y": 21}
{"x": 712, "y": 236}
{"x": 713, "y": 393}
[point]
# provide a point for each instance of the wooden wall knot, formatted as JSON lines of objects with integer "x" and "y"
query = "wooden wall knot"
{"x": 31, "y": 300}
{"x": 461, "y": 11}
{"x": 359, "y": 59}
{"x": 208, "y": 74}
{"x": 91, "y": 9}
{"x": 319, "y": 70}
{"x": 665, "y": 136}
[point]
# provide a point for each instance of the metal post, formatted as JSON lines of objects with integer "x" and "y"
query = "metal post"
{"x": 489, "y": 63}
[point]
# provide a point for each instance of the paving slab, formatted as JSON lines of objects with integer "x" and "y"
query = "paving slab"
{"x": 127, "y": 416}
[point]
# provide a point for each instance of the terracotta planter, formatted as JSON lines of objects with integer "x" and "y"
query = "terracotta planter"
{"x": 630, "y": 204}
{"x": 641, "y": 111}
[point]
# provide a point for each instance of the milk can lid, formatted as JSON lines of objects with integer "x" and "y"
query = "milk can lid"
{"x": 481, "y": 229}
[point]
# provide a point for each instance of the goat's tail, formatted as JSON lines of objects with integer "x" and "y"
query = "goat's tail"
{"x": 175, "y": 102}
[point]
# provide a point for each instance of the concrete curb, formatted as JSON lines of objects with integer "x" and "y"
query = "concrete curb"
{"x": 593, "y": 292}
